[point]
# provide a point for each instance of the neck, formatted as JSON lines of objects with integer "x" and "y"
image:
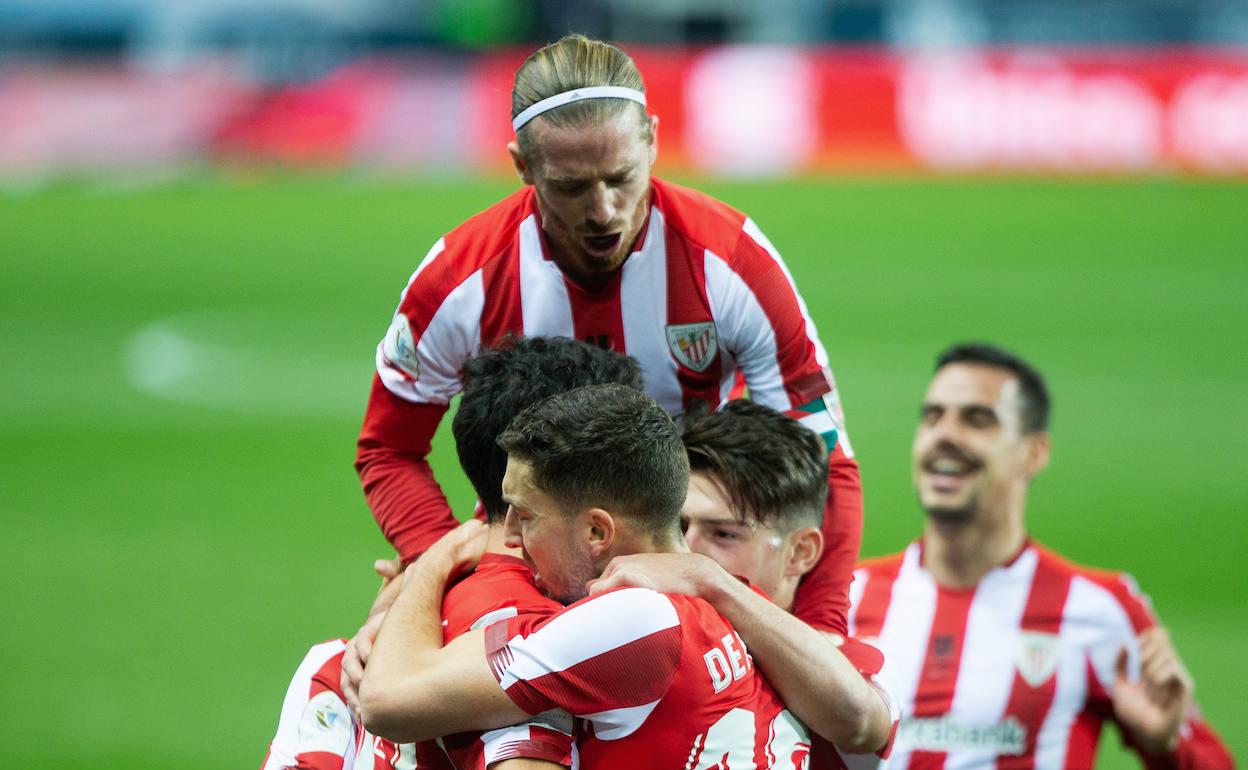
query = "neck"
{"x": 628, "y": 543}
{"x": 959, "y": 555}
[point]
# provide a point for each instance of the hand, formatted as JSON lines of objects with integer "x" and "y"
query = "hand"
{"x": 355, "y": 658}
{"x": 458, "y": 551}
{"x": 1153, "y": 707}
{"x": 670, "y": 573}
{"x": 360, "y": 646}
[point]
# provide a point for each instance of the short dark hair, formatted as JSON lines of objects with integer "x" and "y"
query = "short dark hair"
{"x": 770, "y": 466}
{"x": 1035, "y": 395}
{"x": 605, "y": 446}
{"x": 503, "y": 380}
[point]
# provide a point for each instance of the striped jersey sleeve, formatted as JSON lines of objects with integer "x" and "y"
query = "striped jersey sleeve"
{"x": 611, "y": 657}
{"x": 438, "y": 324}
{"x": 315, "y": 730}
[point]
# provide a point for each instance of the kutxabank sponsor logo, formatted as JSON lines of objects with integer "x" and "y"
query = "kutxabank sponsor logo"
{"x": 1008, "y": 737}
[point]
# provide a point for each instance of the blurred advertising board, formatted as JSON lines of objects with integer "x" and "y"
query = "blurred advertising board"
{"x": 738, "y": 111}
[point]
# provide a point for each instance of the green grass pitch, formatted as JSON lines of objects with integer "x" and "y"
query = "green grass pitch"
{"x": 185, "y": 369}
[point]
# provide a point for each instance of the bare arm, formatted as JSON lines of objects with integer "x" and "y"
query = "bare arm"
{"x": 415, "y": 689}
{"x": 815, "y": 681}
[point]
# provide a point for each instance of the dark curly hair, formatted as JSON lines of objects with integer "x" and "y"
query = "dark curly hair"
{"x": 503, "y": 380}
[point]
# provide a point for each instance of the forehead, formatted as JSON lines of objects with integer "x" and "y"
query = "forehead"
{"x": 705, "y": 498}
{"x": 958, "y": 385}
{"x": 611, "y": 145}
{"x": 518, "y": 478}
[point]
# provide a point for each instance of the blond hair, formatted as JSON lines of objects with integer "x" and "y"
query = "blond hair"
{"x": 575, "y": 61}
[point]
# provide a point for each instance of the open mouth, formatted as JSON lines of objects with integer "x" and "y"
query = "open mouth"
{"x": 952, "y": 467}
{"x": 602, "y": 244}
{"x": 946, "y": 470}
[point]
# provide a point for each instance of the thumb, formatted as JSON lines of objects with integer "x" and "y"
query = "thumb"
{"x": 1120, "y": 664}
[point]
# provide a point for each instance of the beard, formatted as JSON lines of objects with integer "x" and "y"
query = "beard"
{"x": 951, "y": 517}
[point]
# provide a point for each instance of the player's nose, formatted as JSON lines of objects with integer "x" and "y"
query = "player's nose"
{"x": 602, "y": 208}
{"x": 511, "y": 529}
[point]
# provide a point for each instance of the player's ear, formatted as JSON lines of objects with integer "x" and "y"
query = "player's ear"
{"x": 1039, "y": 448}
{"x": 600, "y": 531}
{"x": 805, "y": 548}
{"x": 654, "y": 138}
{"x": 520, "y": 163}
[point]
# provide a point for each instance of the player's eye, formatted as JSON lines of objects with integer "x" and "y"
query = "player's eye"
{"x": 726, "y": 534}
{"x": 980, "y": 417}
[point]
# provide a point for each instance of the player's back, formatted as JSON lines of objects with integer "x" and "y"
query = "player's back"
{"x": 660, "y": 681}
{"x": 501, "y": 587}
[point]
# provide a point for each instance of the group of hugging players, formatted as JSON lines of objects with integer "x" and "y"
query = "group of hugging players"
{"x": 663, "y": 574}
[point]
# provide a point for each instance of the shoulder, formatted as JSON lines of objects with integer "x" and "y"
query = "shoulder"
{"x": 704, "y": 220}
{"x": 627, "y": 613}
{"x": 1100, "y": 593}
{"x": 321, "y": 668}
{"x": 877, "y": 566}
{"x": 483, "y": 238}
{"x": 488, "y": 232}
{"x": 495, "y": 591}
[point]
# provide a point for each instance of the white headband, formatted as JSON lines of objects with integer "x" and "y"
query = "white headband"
{"x": 576, "y": 95}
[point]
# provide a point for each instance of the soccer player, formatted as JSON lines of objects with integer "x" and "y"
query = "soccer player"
{"x": 594, "y": 248}
{"x": 317, "y": 730}
{"x": 659, "y": 680}
{"x": 1001, "y": 652}
{"x": 757, "y": 485}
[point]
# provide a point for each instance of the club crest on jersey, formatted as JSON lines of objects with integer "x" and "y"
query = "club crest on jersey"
{"x": 1037, "y": 656}
{"x": 694, "y": 346}
{"x": 399, "y": 348}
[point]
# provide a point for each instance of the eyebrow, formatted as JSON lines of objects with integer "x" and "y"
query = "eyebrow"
{"x": 719, "y": 522}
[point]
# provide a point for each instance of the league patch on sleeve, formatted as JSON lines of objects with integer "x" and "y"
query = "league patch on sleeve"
{"x": 820, "y": 416}
{"x": 326, "y": 725}
{"x": 399, "y": 348}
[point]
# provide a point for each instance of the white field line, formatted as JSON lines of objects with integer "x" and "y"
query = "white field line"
{"x": 196, "y": 359}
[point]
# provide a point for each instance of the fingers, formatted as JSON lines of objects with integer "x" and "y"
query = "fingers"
{"x": 352, "y": 673}
{"x": 387, "y": 569}
{"x": 1120, "y": 664}
{"x": 1160, "y": 667}
{"x": 618, "y": 578}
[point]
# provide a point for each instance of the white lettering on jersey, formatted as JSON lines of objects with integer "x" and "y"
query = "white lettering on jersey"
{"x": 729, "y": 664}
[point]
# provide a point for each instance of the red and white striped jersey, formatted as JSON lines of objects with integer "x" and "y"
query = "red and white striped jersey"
{"x": 1014, "y": 673}
{"x": 705, "y": 295}
{"x": 502, "y": 587}
{"x": 659, "y": 680}
{"x": 317, "y": 731}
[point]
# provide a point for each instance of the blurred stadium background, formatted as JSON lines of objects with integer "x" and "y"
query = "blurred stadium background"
{"x": 208, "y": 208}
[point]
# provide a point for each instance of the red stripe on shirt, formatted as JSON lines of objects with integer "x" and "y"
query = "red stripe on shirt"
{"x": 611, "y": 680}
{"x": 1042, "y": 614}
{"x": 468, "y": 248}
{"x": 804, "y": 379}
{"x": 596, "y": 315}
{"x": 503, "y": 313}
{"x": 934, "y": 696}
{"x": 1085, "y": 733}
{"x": 876, "y": 595}
{"x": 687, "y": 304}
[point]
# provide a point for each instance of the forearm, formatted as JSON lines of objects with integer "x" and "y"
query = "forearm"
{"x": 401, "y": 671}
{"x": 398, "y": 482}
{"x": 815, "y": 681}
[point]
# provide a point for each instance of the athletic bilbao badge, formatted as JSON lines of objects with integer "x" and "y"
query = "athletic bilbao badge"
{"x": 1037, "y": 656}
{"x": 693, "y": 345}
